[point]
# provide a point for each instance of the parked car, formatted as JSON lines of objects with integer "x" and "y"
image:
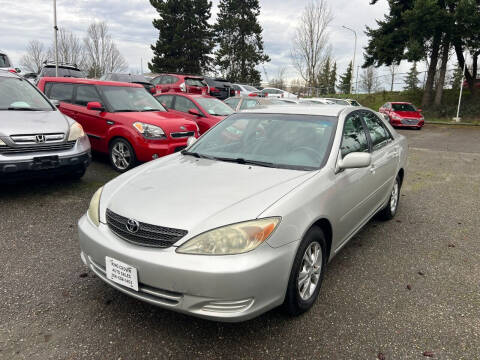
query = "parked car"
{"x": 130, "y": 78}
{"x": 277, "y": 93}
{"x": 205, "y": 110}
{"x": 403, "y": 114}
{"x": 36, "y": 138}
{"x": 251, "y": 224}
{"x": 121, "y": 119}
{"x": 240, "y": 103}
{"x": 179, "y": 83}
{"x": 353, "y": 102}
{"x": 32, "y": 77}
{"x": 339, "y": 101}
{"x": 316, "y": 101}
{"x": 219, "y": 88}
{"x": 6, "y": 64}
{"x": 245, "y": 90}
{"x": 64, "y": 70}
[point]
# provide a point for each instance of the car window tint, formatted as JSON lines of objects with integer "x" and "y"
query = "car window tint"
{"x": 183, "y": 104}
{"x": 194, "y": 82}
{"x": 86, "y": 94}
{"x": 248, "y": 104}
{"x": 61, "y": 92}
{"x": 157, "y": 80}
{"x": 172, "y": 79}
{"x": 232, "y": 102}
{"x": 378, "y": 133}
{"x": 354, "y": 136}
{"x": 165, "y": 100}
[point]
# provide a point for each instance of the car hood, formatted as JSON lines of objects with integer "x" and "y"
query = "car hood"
{"x": 196, "y": 195}
{"x": 32, "y": 122}
{"x": 167, "y": 121}
{"x": 408, "y": 114}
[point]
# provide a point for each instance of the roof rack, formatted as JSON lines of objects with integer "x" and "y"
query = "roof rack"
{"x": 48, "y": 62}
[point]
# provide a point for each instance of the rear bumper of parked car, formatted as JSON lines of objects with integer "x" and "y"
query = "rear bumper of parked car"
{"x": 224, "y": 288}
{"x": 26, "y": 165}
{"x": 147, "y": 150}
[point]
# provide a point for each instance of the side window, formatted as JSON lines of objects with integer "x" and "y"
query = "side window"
{"x": 157, "y": 80}
{"x": 166, "y": 100}
{"x": 183, "y": 104}
{"x": 248, "y": 103}
{"x": 354, "y": 136}
{"x": 172, "y": 79}
{"x": 232, "y": 102}
{"x": 236, "y": 87}
{"x": 61, "y": 92}
{"x": 378, "y": 132}
{"x": 86, "y": 94}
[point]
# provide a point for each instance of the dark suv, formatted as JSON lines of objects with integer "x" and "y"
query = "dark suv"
{"x": 220, "y": 88}
{"x": 130, "y": 78}
{"x": 64, "y": 70}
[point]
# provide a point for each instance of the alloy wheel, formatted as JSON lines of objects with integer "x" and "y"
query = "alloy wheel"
{"x": 121, "y": 156}
{"x": 394, "y": 198}
{"x": 310, "y": 271}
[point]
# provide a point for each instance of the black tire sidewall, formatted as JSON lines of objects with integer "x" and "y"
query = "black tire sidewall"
{"x": 294, "y": 304}
{"x": 130, "y": 148}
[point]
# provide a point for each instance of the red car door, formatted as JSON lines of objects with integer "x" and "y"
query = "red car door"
{"x": 95, "y": 123}
{"x": 183, "y": 105}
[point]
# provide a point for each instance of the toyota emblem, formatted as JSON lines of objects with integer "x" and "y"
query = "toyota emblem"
{"x": 39, "y": 139}
{"x": 132, "y": 226}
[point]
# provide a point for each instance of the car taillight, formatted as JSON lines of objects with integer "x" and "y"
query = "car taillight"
{"x": 153, "y": 90}
{"x": 237, "y": 92}
{"x": 204, "y": 91}
{"x": 12, "y": 71}
{"x": 253, "y": 94}
{"x": 183, "y": 87}
{"x": 213, "y": 89}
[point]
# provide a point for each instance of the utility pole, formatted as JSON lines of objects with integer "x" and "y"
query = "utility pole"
{"x": 457, "y": 119}
{"x": 354, "y": 53}
{"x": 55, "y": 29}
{"x": 356, "y": 80}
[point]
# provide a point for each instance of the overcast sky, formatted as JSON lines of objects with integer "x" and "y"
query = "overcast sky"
{"x": 130, "y": 22}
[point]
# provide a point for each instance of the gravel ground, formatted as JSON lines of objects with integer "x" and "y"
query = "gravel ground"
{"x": 402, "y": 288}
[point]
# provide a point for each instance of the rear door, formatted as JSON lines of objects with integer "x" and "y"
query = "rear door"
{"x": 94, "y": 122}
{"x": 385, "y": 157}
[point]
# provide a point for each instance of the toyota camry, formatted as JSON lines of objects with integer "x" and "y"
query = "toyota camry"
{"x": 248, "y": 216}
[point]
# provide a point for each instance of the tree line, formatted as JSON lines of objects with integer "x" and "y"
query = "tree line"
{"x": 96, "y": 53}
{"x": 188, "y": 43}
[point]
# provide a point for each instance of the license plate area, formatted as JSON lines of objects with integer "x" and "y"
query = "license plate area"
{"x": 121, "y": 273}
{"x": 45, "y": 162}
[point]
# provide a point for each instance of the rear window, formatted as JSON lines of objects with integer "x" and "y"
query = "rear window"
{"x": 218, "y": 83}
{"x": 194, "y": 82}
{"x": 4, "y": 61}
{"x": 62, "y": 72}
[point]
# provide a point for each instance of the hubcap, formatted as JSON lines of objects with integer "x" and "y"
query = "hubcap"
{"x": 310, "y": 270}
{"x": 121, "y": 156}
{"x": 394, "y": 198}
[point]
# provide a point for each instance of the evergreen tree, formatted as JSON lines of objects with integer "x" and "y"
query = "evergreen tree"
{"x": 346, "y": 79}
{"x": 324, "y": 77}
{"x": 185, "y": 38}
{"x": 457, "y": 77}
{"x": 239, "y": 38}
{"x": 333, "y": 79}
{"x": 411, "y": 81}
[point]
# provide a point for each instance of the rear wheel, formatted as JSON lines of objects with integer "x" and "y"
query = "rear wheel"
{"x": 307, "y": 273}
{"x": 389, "y": 211}
{"x": 122, "y": 156}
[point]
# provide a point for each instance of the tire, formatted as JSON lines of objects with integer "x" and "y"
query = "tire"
{"x": 121, "y": 154}
{"x": 390, "y": 209}
{"x": 295, "y": 304}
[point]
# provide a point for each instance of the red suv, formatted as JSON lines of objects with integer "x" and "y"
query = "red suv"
{"x": 179, "y": 83}
{"x": 205, "y": 110}
{"x": 403, "y": 114}
{"x": 121, "y": 119}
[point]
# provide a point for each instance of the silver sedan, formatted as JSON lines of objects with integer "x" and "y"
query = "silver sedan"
{"x": 247, "y": 217}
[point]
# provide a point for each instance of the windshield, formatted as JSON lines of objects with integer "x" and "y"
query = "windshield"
{"x": 249, "y": 88}
{"x": 214, "y": 106}
{"x": 19, "y": 94}
{"x": 194, "y": 82}
{"x": 63, "y": 72}
{"x": 131, "y": 99}
{"x": 275, "y": 140}
{"x": 4, "y": 61}
{"x": 339, "y": 101}
{"x": 403, "y": 107}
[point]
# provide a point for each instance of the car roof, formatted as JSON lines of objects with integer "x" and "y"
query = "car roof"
{"x": 6, "y": 73}
{"x": 72, "y": 80}
{"x": 194, "y": 96}
{"x": 332, "y": 110}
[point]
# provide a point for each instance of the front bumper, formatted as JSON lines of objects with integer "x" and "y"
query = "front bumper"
{"x": 407, "y": 123}
{"x": 148, "y": 149}
{"x": 224, "y": 288}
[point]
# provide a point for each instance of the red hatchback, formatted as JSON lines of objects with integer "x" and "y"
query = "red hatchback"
{"x": 180, "y": 83}
{"x": 121, "y": 119}
{"x": 205, "y": 110}
{"x": 403, "y": 114}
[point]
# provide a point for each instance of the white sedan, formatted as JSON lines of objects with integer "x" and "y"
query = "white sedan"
{"x": 277, "y": 93}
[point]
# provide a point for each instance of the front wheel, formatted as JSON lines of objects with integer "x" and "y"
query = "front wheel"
{"x": 307, "y": 273}
{"x": 122, "y": 155}
{"x": 389, "y": 211}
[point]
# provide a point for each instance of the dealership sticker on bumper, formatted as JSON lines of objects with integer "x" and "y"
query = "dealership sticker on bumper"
{"x": 121, "y": 273}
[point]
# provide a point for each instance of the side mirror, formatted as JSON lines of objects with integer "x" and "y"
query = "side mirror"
{"x": 194, "y": 112}
{"x": 386, "y": 117}
{"x": 18, "y": 70}
{"x": 191, "y": 140}
{"x": 95, "y": 106}
{"x": 55, "y": 102}
{"x": 355, "y": 160}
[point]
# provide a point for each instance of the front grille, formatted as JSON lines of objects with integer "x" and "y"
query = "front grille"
{"x": 410, "y": 121}
{"x": 36, "y": 148}
{"x": 147, "y": 234}
{"x": 183, "y": 134}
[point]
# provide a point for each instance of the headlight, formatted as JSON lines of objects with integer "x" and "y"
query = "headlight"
{"x": 231, "y": 239}
{"x": 76, "y": 132}
{"x": 149, "y": 131}
{"x": 94, "y": 208}
{"x": 2, "y": 143}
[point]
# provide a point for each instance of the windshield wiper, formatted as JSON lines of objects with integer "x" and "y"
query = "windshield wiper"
{"x": 126, "y": 110}
{"x": 197, "y": 155}
{"x": 144, "y": 110}
{"x": 247, "y": 162}
{"x": 23, "y": 109}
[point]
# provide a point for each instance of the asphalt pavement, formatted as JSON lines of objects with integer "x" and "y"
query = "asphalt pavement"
{"x": 404, "y": 289}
